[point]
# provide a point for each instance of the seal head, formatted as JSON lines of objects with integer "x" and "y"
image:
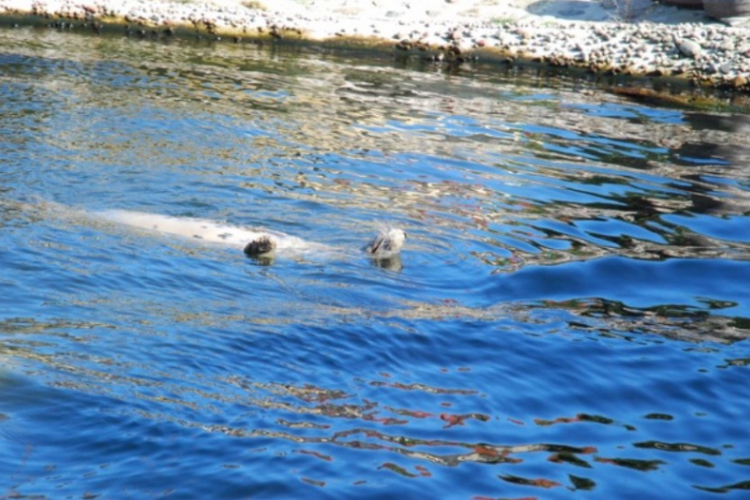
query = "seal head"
{"x": 387, "y": 243}
{"x": 260, "y": 246}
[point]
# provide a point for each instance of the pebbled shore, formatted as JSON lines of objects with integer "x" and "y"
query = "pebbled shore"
{"x": 654, "y": 41}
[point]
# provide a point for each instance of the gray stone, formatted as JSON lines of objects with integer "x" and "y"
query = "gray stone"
{"x": 689, "y": 48}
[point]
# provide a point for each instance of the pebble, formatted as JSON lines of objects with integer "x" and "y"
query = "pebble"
{"x": 689, "y": 48}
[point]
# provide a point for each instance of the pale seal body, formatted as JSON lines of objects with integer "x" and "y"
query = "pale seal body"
{"x": 253, "y": 241}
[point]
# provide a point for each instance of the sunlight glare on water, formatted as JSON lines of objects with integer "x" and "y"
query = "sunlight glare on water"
{"x": 569, "y": 315}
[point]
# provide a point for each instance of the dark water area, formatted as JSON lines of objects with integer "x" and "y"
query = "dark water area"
{"x": 569, "y": 318}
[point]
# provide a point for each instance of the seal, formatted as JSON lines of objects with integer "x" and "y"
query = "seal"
{"x": 388, "y": 243}
{"x": 254, "y": 242}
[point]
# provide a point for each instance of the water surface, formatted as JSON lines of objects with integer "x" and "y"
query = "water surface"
{"x": 569, "y": 318}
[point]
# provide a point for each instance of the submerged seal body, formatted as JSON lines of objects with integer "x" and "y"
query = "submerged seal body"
{"x": 253, "y": 241}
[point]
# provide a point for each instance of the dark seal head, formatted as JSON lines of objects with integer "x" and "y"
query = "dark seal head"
{"x": 260, "y": 246}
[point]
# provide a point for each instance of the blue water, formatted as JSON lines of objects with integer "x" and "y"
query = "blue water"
{"x": 569, "y": 318}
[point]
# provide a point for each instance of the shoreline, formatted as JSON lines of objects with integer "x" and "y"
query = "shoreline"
{"x": 660, "y": 42}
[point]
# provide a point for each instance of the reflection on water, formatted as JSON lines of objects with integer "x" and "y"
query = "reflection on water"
{"x": 569, "y": 316}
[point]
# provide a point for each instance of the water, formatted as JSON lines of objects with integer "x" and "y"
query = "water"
{"x": 569, "y": 317}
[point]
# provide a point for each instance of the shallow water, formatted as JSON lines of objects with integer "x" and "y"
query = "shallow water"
{"x": 569, "y": 317}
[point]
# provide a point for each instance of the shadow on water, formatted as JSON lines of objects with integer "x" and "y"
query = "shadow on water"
{"x": 569, "y": 314}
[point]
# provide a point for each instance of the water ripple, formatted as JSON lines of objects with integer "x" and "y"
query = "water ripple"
{"x": 569, "y": 315}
